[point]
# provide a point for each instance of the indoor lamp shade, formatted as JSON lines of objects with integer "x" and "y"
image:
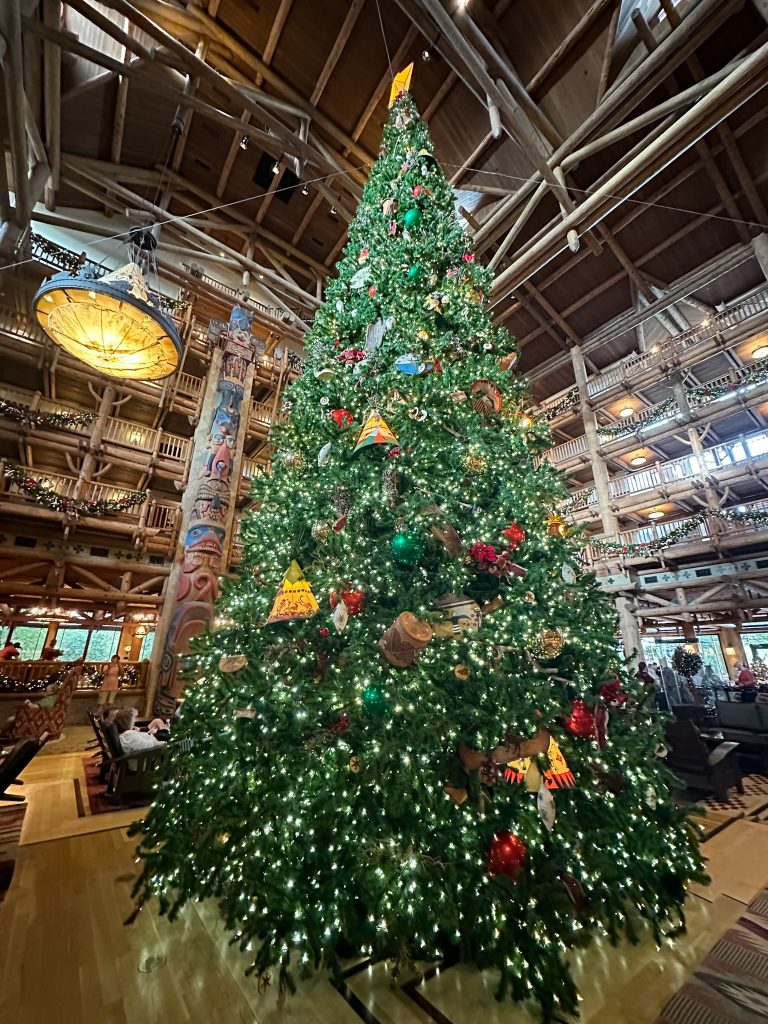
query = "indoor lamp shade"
{"x": 112, "y": 324}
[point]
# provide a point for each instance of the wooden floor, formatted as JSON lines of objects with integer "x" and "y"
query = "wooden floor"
{"x": 65, "y": 955}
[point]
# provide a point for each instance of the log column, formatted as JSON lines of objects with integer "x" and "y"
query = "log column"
{"x": 208, "y": 506}
{"x": 629, "y": 624}
{"x": 88, "y": 465}
{"x": 599, "y": 468}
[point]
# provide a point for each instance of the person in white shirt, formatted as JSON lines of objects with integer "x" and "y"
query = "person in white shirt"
{"x": 132, "y": 740}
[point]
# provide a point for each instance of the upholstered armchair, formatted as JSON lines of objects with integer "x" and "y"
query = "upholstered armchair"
{"x": 32, "y": 721}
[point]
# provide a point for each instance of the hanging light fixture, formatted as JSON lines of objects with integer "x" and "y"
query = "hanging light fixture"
{"x": 112, "y": 324}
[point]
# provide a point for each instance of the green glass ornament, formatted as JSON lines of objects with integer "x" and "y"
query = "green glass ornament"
{"x": 407, "y": 547}
{"x": 373, "y": 699}
{"x": 412, "y": 217}
{"x": 413, "y": 272}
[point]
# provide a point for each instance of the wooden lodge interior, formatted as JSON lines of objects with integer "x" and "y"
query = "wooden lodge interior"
{"x": 609, "y": 163}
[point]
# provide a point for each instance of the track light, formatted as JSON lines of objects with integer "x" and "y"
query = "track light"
{"x": 333, "y": 211}
{"x": 244, "y": 142}
{"x": 305, "y": 190}
{"x": 276, "y": 167}
{"x": 426, "y": 56}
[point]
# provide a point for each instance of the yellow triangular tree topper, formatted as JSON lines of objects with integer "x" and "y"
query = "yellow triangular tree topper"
{"x": 401, "y": 83}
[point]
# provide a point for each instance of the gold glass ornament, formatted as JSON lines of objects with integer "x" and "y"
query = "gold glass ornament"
{"x": 529, "y": 597}
{"x": 550, "y": 643}
{"x": 320, "y": 532}
{"x": 474, "y": 462}
{"x": 293, "y": 460}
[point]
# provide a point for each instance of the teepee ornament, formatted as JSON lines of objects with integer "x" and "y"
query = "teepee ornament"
{"x": 375, "y": 431}
{"x": 295, "y": 599}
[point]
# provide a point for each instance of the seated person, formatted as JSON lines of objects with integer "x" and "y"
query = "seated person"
{"x": 50, "y": 653}
{"x": 132, "y": 740}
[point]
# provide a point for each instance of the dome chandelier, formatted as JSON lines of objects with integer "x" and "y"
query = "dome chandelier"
{"x": 112, "y": 323}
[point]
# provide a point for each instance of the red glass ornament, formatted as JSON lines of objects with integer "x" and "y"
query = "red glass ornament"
{"x": 372, "y": 290}
{"x": 323, "y": 632}
{"x": 581, "y": 721}
{"x": 514, "y": 535}
{"x": 342, "y": 417}
{"x": 353, "y": 599}
{"x": 506, "y": 854}
{"x": 341, "y": 725}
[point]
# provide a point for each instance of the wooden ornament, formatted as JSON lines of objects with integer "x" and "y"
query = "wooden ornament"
{"x": 462, "y": 672}
{"x": 405, "y": 638}
{"x": 462, "y": 613}
{"x": 230, "y": 663}
{"x": 457, "y": 793}
{"x": 485, "y": 396}
{"x": 448, "y": 537}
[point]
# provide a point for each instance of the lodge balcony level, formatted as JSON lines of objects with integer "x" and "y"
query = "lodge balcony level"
{"x": 718, "y": 465}
{"x": 724, "y": 330}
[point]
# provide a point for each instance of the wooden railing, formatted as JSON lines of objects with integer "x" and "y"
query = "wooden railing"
{"x": 133, "y": 674}
{"x": 709, "y": 530}
{"x": 671, "y": 351}
{"x": 742, "y": 451}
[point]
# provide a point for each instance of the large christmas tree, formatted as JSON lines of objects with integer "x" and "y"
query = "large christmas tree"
{"x": 413, "y": 736}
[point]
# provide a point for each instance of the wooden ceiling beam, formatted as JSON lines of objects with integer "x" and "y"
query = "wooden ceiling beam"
{"x": 258, "y": 66}
{"x": 288, "y": 138}
{"x": 311, "y": 210}
{"x": 186, "y": 227}
{"x": 13, "y": 80}
{"x": 269, "y": 51}
{"x": 636, "y": 210}
{"x": 622, "y": 97}
{"x": 702, "y": 148}
{"x": 350, "y": 19}
{"x": 584, "y": 23}
{"x": 52, "y": 102}
{"x": 747, "y": 79}
{"x": 487, "y": 37}
{"x": 231, "y": 211}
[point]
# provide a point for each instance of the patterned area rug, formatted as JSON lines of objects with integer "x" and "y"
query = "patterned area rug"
{"x": 99, "y": 801}
{"x": 713, "y": 816}
{"x": 731, "y": 985}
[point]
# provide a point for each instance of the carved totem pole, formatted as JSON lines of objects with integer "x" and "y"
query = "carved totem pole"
{"x": 210, "y": 498}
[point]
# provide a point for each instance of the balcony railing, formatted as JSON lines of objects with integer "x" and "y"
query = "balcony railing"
{"x": 713, "y": 461}
{"x": 145, "y": 439}
{"x": 671, "y": 351}
{"x": 710, "y": 530}
{"x": 154, "y": 514}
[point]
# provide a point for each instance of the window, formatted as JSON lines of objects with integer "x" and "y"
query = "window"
{"x": 71, "y": 641}
{"x": 146, "y": 646}
{"x": 103, "y": 644}
{"x": 709, "y": 649}
{"x": 755, "y": 646}
{"x": 32, "y": 640}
